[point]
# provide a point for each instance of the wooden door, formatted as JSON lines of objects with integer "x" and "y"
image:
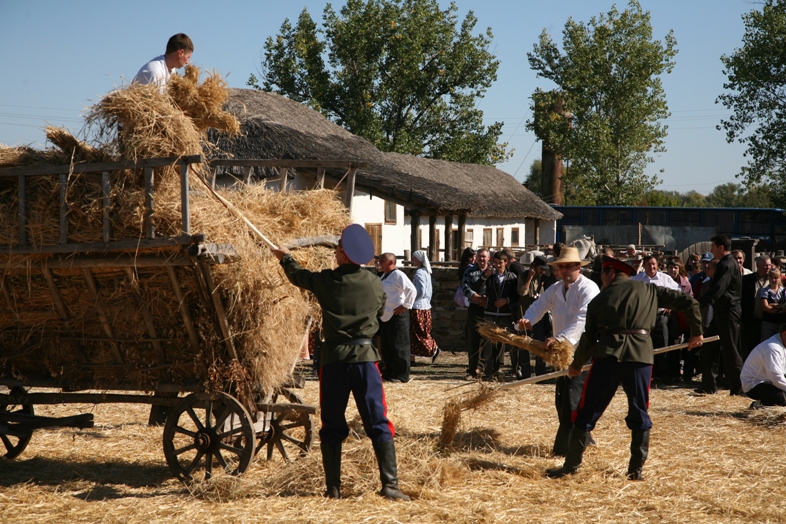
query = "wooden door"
{"x": 375, "y": 232}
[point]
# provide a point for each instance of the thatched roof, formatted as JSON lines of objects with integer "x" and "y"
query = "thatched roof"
{"x": 277, "y": 127}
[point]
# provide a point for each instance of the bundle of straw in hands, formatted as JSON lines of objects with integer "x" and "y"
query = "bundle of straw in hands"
{"x": 559, "y": 355}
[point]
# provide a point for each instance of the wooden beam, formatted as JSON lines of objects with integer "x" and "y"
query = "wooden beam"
{"x": 146, "y": 315}
{"x": 350, "y": 191}
{"x": 294, "y": 163}
{"x": 106, "y": 188}
{"x": 120, "y": 245}
{"x": 185, "y": 210}
{"x": 97, "y": 167}
{"x": 537, "y": 231}
{"x": 183, "y": 306}
{"x": 448, "y": 238}
{"x": 414, "y": 223}
{"x": 218, "y": 307}
{"x": 321, "y": 178}
{"x": 62, "y": 311}
{"x": 432, "y": 238}
{"x": 92, "y": 285}
{"x": 462, "y": 233}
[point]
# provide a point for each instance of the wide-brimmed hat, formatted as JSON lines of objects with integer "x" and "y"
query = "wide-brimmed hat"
{"x": 569, "y": 255}
{"x": 527, "y": 258}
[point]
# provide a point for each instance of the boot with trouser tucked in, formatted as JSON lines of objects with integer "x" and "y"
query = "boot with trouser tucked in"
{"x": 388, "y": 473}
{"x": 331, "y": 461}
{"x": 639, "y": 448}
{"x": 577, "y": 442}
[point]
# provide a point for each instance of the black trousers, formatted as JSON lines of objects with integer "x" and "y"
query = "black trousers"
{"x": 768, "y": 394}
{"x": 474, "y": 314}
{"x": 395, "y": 347}
{"x": 567, "y": 396}
{"x": 727, "y": 325}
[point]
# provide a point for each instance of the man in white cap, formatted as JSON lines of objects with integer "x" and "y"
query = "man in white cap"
{"x": 568, "y": 302}
{"x": 351, "y": 300}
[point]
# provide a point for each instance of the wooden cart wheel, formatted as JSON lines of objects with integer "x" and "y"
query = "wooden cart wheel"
{"x": 15, "y": 444}
{"x": 290, "y": 433}
{"x": 205, "y": 430}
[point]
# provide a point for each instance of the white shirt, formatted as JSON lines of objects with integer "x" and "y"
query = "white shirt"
{"x": 766, "y": 363}
{"x": 399, "y": 291}
{"x": 568, "y": 310}
{"x": 154, "y": 72}
{"x": 660, "y": 279}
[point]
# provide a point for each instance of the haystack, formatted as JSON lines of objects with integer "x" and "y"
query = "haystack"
{"x": 267, "y": 316}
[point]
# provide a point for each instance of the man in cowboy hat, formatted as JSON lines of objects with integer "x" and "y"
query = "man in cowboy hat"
{"x": 616, "y": 335}
{"x": 351, "y": 300}
{"x": 567, "y": 301}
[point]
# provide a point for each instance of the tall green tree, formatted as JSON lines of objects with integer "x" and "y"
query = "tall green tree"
{"x": 608, "y": 80}
{"x": 756, "y": 84}
{"x": 403, "y": 74}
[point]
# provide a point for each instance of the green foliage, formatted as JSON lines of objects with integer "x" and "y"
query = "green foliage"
{"x": 608, "y": 80}
{"x": 401, "y": 73}
{"x": 756, "y": 74}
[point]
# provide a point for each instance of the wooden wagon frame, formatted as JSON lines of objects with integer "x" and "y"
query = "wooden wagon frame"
{"x": 203, "y": 430}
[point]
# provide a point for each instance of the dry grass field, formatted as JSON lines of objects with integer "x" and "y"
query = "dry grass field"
{"x": 711, "y": 460}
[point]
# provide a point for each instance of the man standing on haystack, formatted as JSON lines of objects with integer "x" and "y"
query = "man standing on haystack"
{"x": 567, "y": 301}
{"x": 179, "y": 49}
{"x": 617, "y": 336}
{"x": 351, "y": 300}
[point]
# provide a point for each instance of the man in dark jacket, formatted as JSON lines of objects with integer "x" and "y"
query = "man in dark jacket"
{"x": 501, "y": 302}
{"x": 724, "y": 295}
{"x": 351, "y": 300}
{"x": 617, "y": 336}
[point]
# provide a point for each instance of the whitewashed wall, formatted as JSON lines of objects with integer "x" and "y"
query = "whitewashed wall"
{"x": 396, "y": 237}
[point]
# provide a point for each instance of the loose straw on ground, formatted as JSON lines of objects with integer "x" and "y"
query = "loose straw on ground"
{"x": 451, "y": 415}
{"x": 559, "y": 355}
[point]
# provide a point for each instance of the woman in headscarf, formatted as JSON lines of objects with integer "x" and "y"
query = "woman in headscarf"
{"x": 423, "y": 345}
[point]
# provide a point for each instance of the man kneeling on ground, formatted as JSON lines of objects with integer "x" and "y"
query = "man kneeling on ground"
{"x": 763, "y": 372}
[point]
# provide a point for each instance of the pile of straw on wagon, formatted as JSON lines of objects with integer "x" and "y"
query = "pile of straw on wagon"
{"x": 268, "y": 318}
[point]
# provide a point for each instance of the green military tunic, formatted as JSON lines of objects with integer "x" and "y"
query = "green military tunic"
{"x": 351, "y": 299}
{"x": 627, "y": 304}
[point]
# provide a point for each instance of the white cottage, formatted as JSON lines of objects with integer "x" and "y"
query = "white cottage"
{"x": 405, "y": 202}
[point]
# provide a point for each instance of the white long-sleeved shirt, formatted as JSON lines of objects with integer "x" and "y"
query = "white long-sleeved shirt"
{"x": 568, "y": 309}
{"x": 660, "y": 279}
{"x": 154, "y": 72}
{"x": 400, "y": 291}
{"x": 766, "y": 363}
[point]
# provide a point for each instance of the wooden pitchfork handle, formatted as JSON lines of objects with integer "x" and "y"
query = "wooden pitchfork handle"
{"x": 555, "y": 374}
{"x": 235, "y": 211}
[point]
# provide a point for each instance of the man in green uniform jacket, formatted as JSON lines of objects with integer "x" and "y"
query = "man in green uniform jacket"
{"x": 351, "y": 299}
{"x": 617, "y": 336}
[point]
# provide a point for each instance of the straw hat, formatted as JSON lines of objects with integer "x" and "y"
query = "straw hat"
{"x": 569, "y": 255}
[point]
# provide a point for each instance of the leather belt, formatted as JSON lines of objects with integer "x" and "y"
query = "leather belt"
{"x": 350, "y": 342}
{"x": 632, "y": 332}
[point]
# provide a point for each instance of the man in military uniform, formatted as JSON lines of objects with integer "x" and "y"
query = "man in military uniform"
{"x": 351, "y": 300}
{"x": 617, "y": 335}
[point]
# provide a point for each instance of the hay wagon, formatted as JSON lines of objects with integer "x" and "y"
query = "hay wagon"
{"x": 129, "y": 320}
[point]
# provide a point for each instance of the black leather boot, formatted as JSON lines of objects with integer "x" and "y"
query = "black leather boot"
{"x": 388, "y": 473}
{"x": 577, "y": 442}
{"x": 639, "y": 448}
{"x": 331, "y": 461}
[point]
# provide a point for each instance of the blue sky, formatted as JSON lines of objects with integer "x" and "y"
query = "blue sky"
{"x": 59, "y": 57}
